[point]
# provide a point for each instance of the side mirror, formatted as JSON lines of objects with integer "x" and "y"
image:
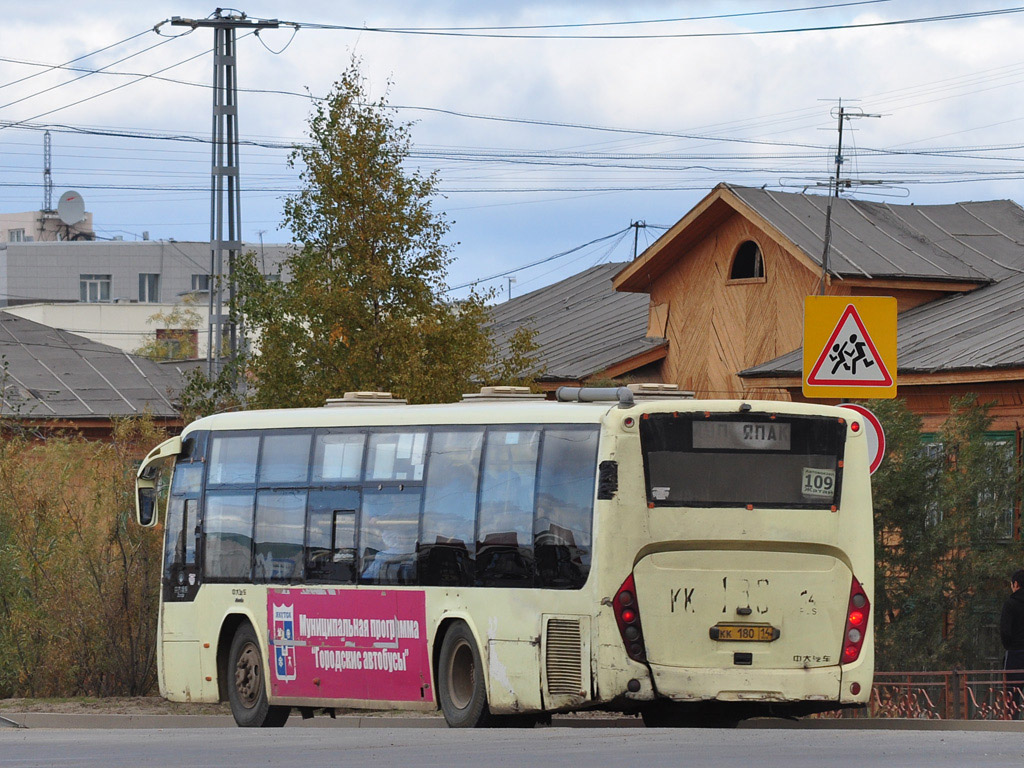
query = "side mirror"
{"x": 145, "y": 506}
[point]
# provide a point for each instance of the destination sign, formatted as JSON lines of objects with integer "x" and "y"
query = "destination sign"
{"x": 741, "y": 435}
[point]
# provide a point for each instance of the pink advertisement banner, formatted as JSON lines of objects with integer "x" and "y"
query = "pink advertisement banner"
{"x": 348, "y": 644}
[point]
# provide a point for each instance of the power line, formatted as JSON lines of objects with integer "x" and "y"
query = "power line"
{"x": 12, "y": 124}
{"x": 668, "y": 36}
{"x": 545, "y": 260}
{"x": 88, "y": 73}
{"x": 72, "y": 61}
{"x": 581, "y": 25}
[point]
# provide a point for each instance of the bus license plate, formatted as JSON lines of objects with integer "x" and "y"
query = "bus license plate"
{"x": 751, "y": 633}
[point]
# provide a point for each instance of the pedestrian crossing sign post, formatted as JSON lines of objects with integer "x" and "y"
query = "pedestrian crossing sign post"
{"x": 849, "y": 347}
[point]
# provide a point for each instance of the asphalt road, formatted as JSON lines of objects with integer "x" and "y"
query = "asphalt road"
{"x": 563, "y": 747}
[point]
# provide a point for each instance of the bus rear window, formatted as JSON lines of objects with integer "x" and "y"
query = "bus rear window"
{"x": 730, "y": 460}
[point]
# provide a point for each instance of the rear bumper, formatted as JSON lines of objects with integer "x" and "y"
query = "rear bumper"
{"x": 752, "y": 685}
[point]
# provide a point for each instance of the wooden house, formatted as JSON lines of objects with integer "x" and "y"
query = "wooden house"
{"x": 724, "y": 292}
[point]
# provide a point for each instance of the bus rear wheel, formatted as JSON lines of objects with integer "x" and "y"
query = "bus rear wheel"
{"x": 247, "y": 689}
{"x": 460, "y": 678}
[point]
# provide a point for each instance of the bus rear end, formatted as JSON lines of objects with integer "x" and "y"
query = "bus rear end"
{"x": 750, "y": 592}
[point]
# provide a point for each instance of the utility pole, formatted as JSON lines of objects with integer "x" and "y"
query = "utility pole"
{"x": 637, "y": 225}
{"x": 842, "y": 113}
{"x": 225, "y": 193}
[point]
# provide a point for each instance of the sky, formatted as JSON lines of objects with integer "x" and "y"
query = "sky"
{"x": 545, "y": 142}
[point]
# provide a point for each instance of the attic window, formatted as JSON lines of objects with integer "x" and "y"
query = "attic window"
{"x": 747, "y": 264}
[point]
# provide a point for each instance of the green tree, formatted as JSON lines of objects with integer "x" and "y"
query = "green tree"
{"x": 943, "y": 515}
{"x": 361, "y": 304}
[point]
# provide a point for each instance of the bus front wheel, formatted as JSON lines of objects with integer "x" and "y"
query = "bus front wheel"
{"x": 247, "y": 690}
{"x": 460, "y": 677}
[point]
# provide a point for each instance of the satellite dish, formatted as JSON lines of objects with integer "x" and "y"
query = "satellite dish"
{"x": 71, "y": 208}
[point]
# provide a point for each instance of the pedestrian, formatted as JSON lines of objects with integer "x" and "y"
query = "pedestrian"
{"x": 1011, "y": 632}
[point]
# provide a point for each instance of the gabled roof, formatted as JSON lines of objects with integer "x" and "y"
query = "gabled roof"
{"x": 980, "y": 330}
{"x": 51, "y": 374}
{"x": 584, "y": 327}
{"x": 975, "y": 242}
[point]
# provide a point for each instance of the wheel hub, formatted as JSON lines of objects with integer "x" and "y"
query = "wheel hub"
{"x": 247, "y": 675}
{"x": 462, "y": 676}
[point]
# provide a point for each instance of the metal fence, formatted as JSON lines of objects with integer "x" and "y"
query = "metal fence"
{"x": 953, "y": 695}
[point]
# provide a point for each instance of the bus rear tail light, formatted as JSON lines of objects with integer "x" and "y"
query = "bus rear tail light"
{"x": 857, "y": 616}
{"x": 627, "y": 616}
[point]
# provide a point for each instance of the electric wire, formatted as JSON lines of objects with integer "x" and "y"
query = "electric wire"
{"x": 672, "y": 36}
{"x": 72, "y": 61}
{"x": 88, "y": 73}
{"x": 536, "y": 263}
{"x": 581, "y": 25}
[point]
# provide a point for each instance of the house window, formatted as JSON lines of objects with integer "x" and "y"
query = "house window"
{"x": 200, "y": 282}
{"x": 16, "y": 235}
{"x": 747, "y": 264}
{"x": 149, "y": 288}
{"x": 94, "y": 288}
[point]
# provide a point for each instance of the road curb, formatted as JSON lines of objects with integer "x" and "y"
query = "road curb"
{"x": 160, "y": 722}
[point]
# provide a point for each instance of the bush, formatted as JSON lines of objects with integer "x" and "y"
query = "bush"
{"x": 78, "y": 579}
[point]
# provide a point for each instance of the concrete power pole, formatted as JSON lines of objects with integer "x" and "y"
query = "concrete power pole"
{"x": 225, "y": 193}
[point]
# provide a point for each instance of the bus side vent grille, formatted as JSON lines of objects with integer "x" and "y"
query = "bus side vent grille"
{"x": 564, "y": 663}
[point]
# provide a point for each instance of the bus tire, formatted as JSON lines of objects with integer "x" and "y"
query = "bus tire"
{"x": 247, "y": 688}
{"x": 460, "y": 680}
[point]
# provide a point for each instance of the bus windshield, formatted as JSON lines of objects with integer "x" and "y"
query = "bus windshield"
{"x": 728, "y": 460}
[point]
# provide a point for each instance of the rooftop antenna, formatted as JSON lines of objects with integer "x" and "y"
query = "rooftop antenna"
{"x": 225, "y": 225}
{"x": 841, "y": 113}
{"x": 47, "y": 178}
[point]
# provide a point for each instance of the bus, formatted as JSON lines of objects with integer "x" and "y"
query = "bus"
{"x": 694, "y": 562}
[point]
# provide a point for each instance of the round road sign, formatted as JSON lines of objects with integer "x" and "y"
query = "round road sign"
{"x": 876, "y": 437}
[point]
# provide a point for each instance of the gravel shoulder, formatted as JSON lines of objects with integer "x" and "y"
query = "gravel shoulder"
{"x": 113, "y": 705}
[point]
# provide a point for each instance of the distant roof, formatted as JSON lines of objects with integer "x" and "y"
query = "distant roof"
{"x": 960, "y": 241}
{"x": 983, "y": 329}
{"x": 976, "y": 242}
{"x": 52, "y": 374}
{"x": 583, "y": 325}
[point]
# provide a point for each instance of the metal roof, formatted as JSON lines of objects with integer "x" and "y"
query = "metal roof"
{"x": 49, "y": 373}
{"x": 979, "y": 330}
{"x": 974, "y": 241}
{"x": 583, "y": 324}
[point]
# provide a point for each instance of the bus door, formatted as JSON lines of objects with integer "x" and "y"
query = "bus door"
{"x": 180, "y": 636}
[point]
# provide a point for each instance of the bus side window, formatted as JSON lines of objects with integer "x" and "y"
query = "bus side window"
{"x": 449, "y": 508}
{"x": 565, "y": 505}
{"x": 396, "y": 456}
{"x": 280, "y": 530}
{"x": 285, "y": 458}
{"x": 227, "y": 554}
{"x": 504, "y": 548}
{"x": 338, "y": 457}
{"x": 233, "y": 459}
{"x": 387, "y": 535}
{"x": 331, "y": 536}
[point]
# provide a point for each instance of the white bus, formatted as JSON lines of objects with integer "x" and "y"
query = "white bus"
{"x": 504, "y": 558}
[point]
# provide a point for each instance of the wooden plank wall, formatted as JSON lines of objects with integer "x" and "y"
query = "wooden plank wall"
{"x": 716, "y": 328}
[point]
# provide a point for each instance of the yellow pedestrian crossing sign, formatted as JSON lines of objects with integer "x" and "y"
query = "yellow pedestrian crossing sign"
{"x": 849, "y": 346}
